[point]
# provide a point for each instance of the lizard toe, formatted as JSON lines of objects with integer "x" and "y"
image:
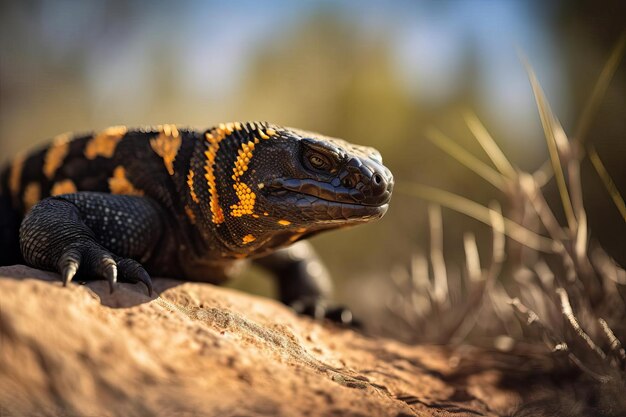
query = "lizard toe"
{"x": 132, "y": 271}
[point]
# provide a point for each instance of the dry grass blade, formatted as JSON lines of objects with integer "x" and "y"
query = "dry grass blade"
{"x": 607, "y": 266}
{"x": 582, "y": 237}
{"x": 544, "y": 173}
{"x": 614, "y": 344}
{"x": 607, "y": 180}
{"x": 501, "y": 304}
{"x": 532, "y": 321}
{"x": 530, "y": 187}
{"x": 549, "y": 128}
{"x": 470, "y": 161}
{"x": 497, "y": 221}
{"x": 600, "y": 89}
{"x": 489, "y": 145}
{"x": 568, "y": 313}
{"x": 600, "y": 378}
{"x": 472, "y": 259}
{"x": 582, "y": 231}
{"x": 438, "y": 263}
{"x": 481, "y": 213}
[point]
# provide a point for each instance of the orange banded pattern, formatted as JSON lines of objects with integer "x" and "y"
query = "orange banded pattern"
{"x": 245, "y": 195}
{"x": 192, "y": 190}
{"x": 214, "y": 137}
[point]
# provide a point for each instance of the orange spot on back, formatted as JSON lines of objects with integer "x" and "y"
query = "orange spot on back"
{"x": 166, "y": 145}
{"x": 284, "y": 222}
{"x": 63, "y": 187}
{"x": 119, "y": 184}
{"x": 55, "y": 155}
{"x": 248, "y": 239}
{"x": 32, "y": 195}
{"x": 105, "y": 142}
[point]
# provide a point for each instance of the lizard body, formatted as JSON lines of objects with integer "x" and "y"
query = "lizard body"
{"x": 191, "y": 204}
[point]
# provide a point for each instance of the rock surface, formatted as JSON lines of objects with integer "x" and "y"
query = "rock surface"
{"x": 196, "y": 350}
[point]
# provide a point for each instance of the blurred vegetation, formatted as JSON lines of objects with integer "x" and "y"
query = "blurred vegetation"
{"x": 548, "y": 300}
{"x": 338, "y": 68}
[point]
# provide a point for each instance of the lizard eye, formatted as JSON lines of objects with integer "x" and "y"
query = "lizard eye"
{"x": 318, "y": 161}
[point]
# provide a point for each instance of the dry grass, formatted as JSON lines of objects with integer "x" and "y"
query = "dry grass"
{"x": 564, "y": 296}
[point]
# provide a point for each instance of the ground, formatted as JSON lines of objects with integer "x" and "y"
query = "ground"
{"x": 199, "y": 350}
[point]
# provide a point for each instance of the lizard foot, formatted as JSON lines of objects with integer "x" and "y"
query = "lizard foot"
{"x": 95, "y": 261}
{"x": 61, "y": 234}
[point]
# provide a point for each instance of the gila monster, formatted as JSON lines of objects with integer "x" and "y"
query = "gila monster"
{"x": 124, "y": 204}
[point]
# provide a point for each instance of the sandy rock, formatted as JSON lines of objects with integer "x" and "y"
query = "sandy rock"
{"x": 200, "y": 350}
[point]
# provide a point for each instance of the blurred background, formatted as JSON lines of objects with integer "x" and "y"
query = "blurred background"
{"x": 374, "y": 73}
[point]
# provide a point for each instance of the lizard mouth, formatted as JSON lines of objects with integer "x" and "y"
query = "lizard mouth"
{"x": 328, "y": 203}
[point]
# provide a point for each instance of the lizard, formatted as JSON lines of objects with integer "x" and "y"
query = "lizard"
{"x": 127, "y": 204}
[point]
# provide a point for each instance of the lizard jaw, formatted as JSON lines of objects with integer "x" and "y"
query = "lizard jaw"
{"x": 333, "y": 191}
{"x": 322, "y": 203}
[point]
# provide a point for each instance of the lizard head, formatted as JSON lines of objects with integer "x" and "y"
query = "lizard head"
{"x": 282, "y": 184}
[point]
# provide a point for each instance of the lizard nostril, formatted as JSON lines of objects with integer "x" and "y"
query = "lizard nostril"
{"x": 379, "y": 185}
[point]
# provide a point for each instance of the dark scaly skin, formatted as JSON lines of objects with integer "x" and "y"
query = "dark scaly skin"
{"x": 126, "y": 204}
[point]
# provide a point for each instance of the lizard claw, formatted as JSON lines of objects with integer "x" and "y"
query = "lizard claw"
{"x": 145, "y": 278}
{"x": 68, "y": 265}
{"x": 110, "y": 273}
{"x": 68, "y": 273}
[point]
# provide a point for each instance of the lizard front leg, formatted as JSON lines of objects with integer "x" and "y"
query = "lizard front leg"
{"x": 303, "y": 282}
{"x": 98, "y": 235}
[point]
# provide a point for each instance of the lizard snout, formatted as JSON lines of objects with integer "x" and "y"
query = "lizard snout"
{"x": 373, "y": 181}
